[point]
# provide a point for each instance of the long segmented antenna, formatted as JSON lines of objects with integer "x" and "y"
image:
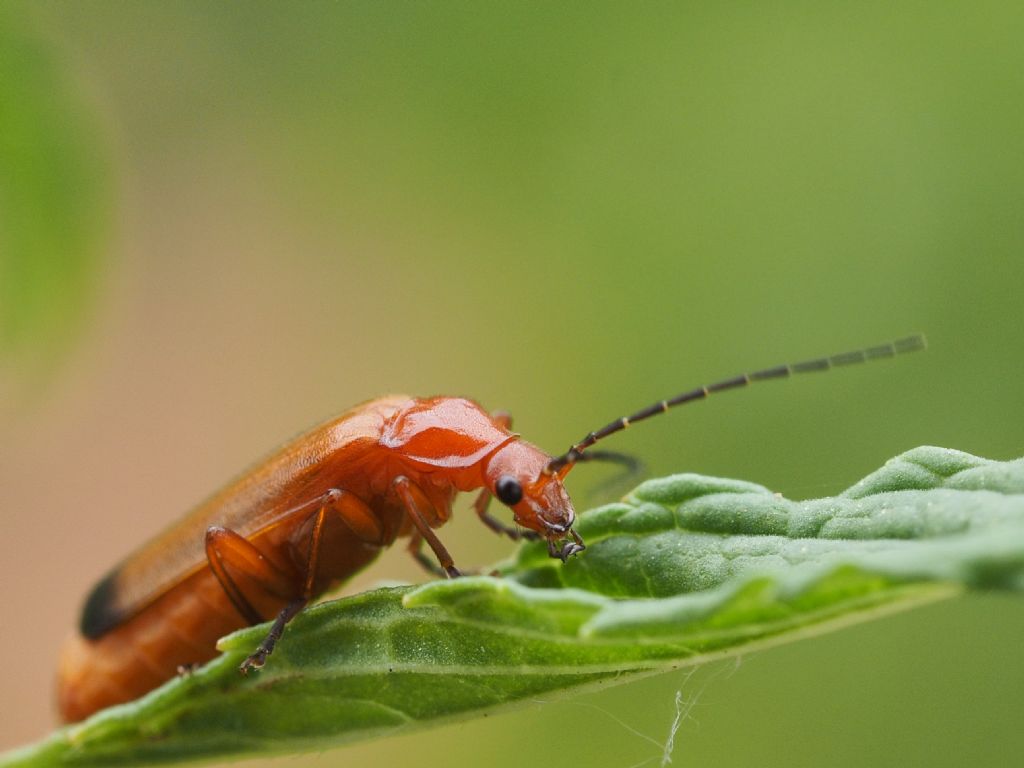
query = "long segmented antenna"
{"x": 899, "y": 347}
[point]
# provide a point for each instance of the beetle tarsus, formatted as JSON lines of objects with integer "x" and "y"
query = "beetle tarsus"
{"x": 256, "y": 661}
{"x": 259, "y": 658}
{"x": 567, "y": 550}
{"x": 570, "y": 549}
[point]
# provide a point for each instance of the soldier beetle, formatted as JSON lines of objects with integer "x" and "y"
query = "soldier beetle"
{"x": 319, "y": 510}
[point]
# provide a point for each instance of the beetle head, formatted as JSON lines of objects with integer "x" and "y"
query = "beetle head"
{"x": 539, "y": 502}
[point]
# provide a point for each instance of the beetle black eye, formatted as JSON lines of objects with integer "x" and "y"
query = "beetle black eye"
{"x": 508, "y": 490}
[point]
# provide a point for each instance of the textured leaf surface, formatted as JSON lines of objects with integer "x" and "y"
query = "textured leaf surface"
{"x": 685, "y": 568}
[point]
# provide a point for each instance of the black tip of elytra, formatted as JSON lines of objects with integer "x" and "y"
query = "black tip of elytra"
{"x": 99, "y": 614}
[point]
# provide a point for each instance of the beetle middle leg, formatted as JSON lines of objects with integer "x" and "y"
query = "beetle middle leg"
{"x": 415, "y": 549}
{"x": 415, "y": 502}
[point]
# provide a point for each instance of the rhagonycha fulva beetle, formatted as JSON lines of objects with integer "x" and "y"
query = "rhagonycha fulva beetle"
{"x": 318, "y": 511}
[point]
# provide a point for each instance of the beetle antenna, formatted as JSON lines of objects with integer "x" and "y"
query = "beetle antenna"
{"x": 899, "y": 347}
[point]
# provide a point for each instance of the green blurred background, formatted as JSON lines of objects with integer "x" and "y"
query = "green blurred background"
{"x": 221, "y": 223}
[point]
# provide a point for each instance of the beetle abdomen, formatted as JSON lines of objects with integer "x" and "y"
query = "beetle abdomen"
{"x": 181, "y": 628}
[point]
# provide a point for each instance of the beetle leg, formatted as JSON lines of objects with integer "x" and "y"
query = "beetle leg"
{"x": 415, "y": 549}
{"x": 357, "y": 516}
{"x": 259, "y": 657}
{"x": 228, "y": 552}
{"x": 408, "y": 493}
{"x": 312, "y": 560}
{"x": 354, "y": 514}
{"x": 480, "y": 505}
{"x": 360, "y": 519}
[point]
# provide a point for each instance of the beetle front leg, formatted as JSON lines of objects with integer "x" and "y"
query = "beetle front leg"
{"x": 480, "y": 507}
{"x": 568, "y": 549}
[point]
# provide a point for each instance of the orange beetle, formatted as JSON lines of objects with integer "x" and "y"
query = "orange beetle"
{"x": 318, "y": 511}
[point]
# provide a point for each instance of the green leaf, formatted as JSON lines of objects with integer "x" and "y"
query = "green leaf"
{"x": 686, "y": 568}
{"x": 54, "y": 199}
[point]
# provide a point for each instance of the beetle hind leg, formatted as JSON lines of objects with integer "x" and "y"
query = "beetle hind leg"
{"x": 231, "y": 557}
{"x": 259, "y": 657}
{"x": 334, "y": 505}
